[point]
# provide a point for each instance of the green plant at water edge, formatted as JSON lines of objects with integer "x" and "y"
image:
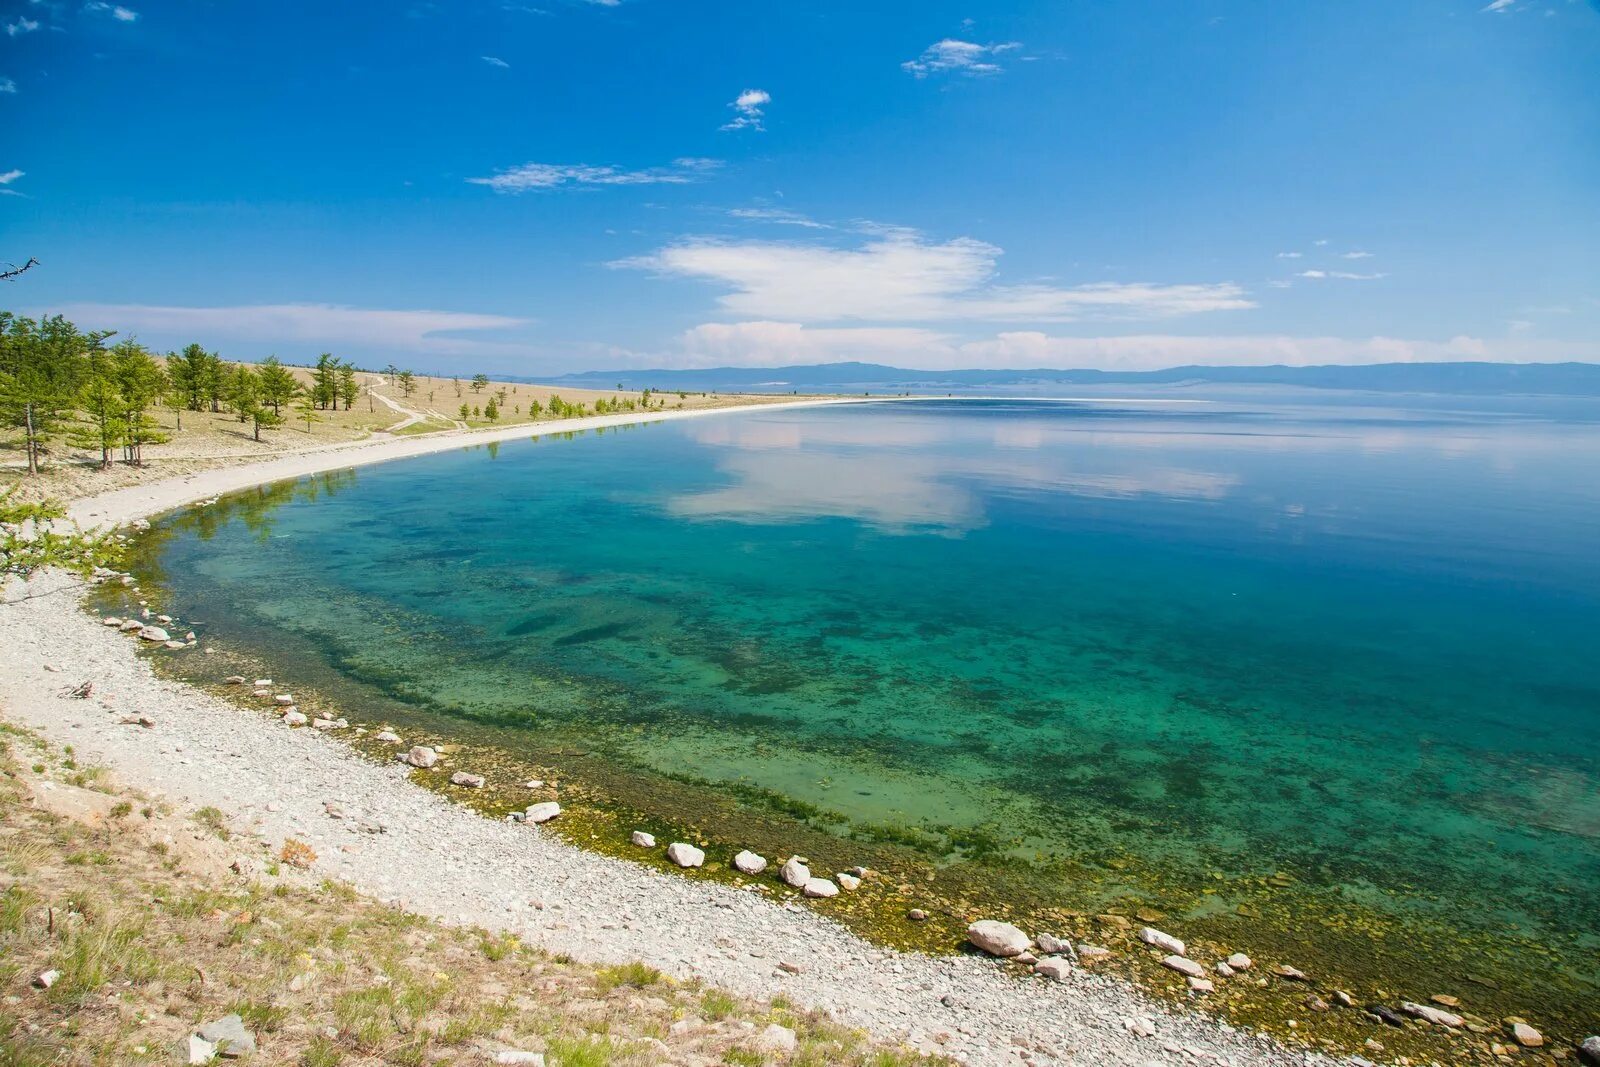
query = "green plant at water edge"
{"x": 32, "y": 538}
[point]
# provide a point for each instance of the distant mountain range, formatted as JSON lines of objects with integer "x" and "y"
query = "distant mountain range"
{"x": 1560, "y": 379}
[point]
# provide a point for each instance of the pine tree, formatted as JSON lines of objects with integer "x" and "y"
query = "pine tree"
{"x": 41, "y": 371}
{"x": 325, "y": 382}
{"x": 479, "y": 382}
{"x": 491, "y": 410}
{"x": 277, "y": 384}
{"x": 142, "y": 383}
{"x": 348, "y": 387}
{"x": 100, "y": 400}
{"x": 306, "y": 409}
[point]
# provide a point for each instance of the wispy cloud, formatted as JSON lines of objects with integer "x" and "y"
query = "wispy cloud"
{"x": 541, "y": 176}
{"x": 959, "y": 57}
{"x": 1290, "y": 255}
{"x": 21, "y": 26}
{"x": 6, "y": 179}
{"x": 495, "y": 61}
{"x": 7, "y": 85}
{"x": 1499, "y": 5}
{"x": 1355, "y": 255}
{"x": 1341, "y": 274}
{"x": 780, "y": 343}
{"x": 116, "y": 11}
{"x": 749, "y": 106}
{"x": 900, "y": 277}
{"x": 779, "y": 216}
{"x": 313, "y": 324}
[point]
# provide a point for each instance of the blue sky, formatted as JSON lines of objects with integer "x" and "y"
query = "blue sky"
{"x": 553, "y": 185}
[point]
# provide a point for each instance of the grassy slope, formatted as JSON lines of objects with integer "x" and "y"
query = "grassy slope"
{"x": 154, "y": 933}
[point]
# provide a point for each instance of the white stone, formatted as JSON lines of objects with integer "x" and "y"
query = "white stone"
{"x": 46, "y": 979}
{"x": 820, "y": 888}
{"x": 263, "y": 683}
{"x": 685, "y": 855}
{"x": 388, "y": 737}
{"x": 997, "y": 938}
{"x": 235, "y": 679}
{"x": 154, "y": 633}
{"x": 644, "y": 840}
{"x": 175, "y": 645}
{"x": 1151, "y": 936}
{"x": 542, "y": 812}
{"x": 1056, "y": 967}
{"x": 1200, "y": 985}
{"x": 1437, "y": 1016}
{"x": 200, "y": 1050}
{"x": 1224, "y": 970}
{"x": 283, "y": 699}
{"x": 749, "y": 862}
{"x": 110, "y": 620}
{"x": 1526, "y": 1036}
{"x": 1184, "y": 966}
{"x": 421, "y": 756}
{"x": 469, "y": 781}
{"x": 848, "y": 881}
{"x": 1240, "y": 962}
{"x": 795, "y": 872}
{"x": 295, "y": 718}
{"x": 517, "y": 1058}
{"x": 775, "y": 1038}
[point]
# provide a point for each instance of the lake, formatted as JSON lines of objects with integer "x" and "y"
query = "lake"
{"x": 1275, "y": 659}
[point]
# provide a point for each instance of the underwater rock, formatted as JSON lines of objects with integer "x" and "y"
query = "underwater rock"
{"x": 1240, "y": 962}
{"x": 749, "y": 862}
{"x": 1589, "y": 1051}
{"x": 421, "y": 756}
{"x": 537, "y": 813}
{"x": 1200, "y": 985}
{"x": 1386, "y": 1015}
{"x": 1187, "y": 967}
{"x": 154, "y": 633}
{"x": 997, "y": 938}
{"x": 848, "y": 881}
{"x": 820, "y": 888}
{"x": 470, "y": 781}
{"x": 1437, "y": 1016}
{"x": 1526, "y": 1036}
{"x": 643, "y": 840}
{"x": 1151, "y": 936}
{"x": 388, "y": 737}
{"x": 294, "y": 718}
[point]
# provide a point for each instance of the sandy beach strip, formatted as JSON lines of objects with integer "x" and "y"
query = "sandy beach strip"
{"x": 404, "y": 844}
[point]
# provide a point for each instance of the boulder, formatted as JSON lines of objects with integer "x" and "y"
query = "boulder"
{"x": 1526, "y": 1036}
{"x": 1290, "y": 974}
{"x": 388, "y": 737}
{"x": 644, "y": 840}
{"x": 283, "y": 700}
{"x": 1200, "y": 985}
{"x": 421, "y": 756}
{"x": 820, "y": 888}
{"x": 1223, "y": 970}
{"x": 175, "y": 645}
{"x": 198, "y": 1050}
{"x": 154, "y": 633}
{"x": 1240, "y": 962}
{"x": 469, "y": 781}
{"x": 1166, "y": 942}
{"x": 795, "y": 872}
{"x": 1187, "y": 967}
{"x": 749, "y": 862}
{"x": 543, "y": 812}
{"x": 234, "y": 679}
{"x": 1589, "y": 1051}
{"x": 1428, "y": 1013}
{"x": 1057, "y": 967}
{"x": 685, "y": 855}
{"x": 847, "y": 881}
{"x": 1092, "y": 953}
{"x": 45, "y": 979}
{"x": 997, "y": 938}
{"x": 1051, "y": 945}
{"x": 295, "y": 718}
{"x": 110, "y": 620}
{"x": 263, "y": 683}
{"x": 777, "y": 1039}
{"x": 229, "y": 1036}
{"x": 917, "y": 915}
{"x": 262, "y": 694}
{"x": 130, "y": 625}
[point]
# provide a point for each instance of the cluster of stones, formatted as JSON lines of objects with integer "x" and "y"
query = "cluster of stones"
{"x": 153, "y": 628}
{"x": 284, "y": 704}
{"x": 795, "y": 872}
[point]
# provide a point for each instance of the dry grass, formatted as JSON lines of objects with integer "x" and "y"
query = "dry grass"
{"x": 153, "y": 934}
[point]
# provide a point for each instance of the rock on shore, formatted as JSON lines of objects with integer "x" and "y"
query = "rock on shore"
{"x": 997, "y": 938}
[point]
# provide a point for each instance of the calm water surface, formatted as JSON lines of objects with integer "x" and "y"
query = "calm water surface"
{"x": 1354, "y": 643}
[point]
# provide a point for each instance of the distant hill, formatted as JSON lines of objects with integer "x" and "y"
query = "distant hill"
{"x": 1560, "y": 379}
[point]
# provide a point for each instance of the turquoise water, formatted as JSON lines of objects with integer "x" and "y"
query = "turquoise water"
{"x": 1356, "y": 644}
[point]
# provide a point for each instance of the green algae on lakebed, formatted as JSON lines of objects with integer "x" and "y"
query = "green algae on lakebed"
{"x": 1067, "y": 662}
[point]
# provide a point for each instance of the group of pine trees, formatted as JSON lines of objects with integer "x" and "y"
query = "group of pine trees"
{"x": 59, "y": 382}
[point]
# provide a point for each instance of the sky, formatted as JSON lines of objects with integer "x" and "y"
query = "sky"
{"x": 542, "y": 186}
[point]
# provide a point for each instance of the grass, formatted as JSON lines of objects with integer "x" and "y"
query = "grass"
{"x": 152, "y": 939}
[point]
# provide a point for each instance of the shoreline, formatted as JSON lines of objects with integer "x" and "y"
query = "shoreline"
{"x": 207, "y": 751}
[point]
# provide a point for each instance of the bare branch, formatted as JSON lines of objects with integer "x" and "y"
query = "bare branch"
{"x": 14, "y": 271}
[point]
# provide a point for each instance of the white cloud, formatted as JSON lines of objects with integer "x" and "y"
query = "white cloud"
{"x": 899, "y": 277}
{"x": 116, "y": 11}
{"x": 777, "y": 215}
{"x": 1289, "y": 255}
{"x": 21, "y": 26}
{"x": 1341, "y": 274}
{"x": 958, "y": 57}
{"x": 495, "y": 61}
{"x": 10, "y": 176}
{"x": 1499, "y": 5}
{"x": 1355, "y": 255}
{"x": 554, "y": 175}
{"x": 772, "y": 344}
{"x": 313, "y": 324}
{"x": 749, "y": 105}
{"x": 7, "y": 85}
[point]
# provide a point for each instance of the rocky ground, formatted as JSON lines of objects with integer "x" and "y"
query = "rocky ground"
{"x": 369, "y": 827}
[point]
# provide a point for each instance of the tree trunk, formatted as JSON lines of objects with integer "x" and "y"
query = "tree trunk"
{"x": 33, "y": 443}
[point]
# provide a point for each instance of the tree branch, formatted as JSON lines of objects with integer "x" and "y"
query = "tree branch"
{"x": 14, "y": 271}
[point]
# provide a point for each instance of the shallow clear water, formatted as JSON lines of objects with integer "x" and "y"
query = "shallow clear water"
{"x": 1358, "y": 644}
